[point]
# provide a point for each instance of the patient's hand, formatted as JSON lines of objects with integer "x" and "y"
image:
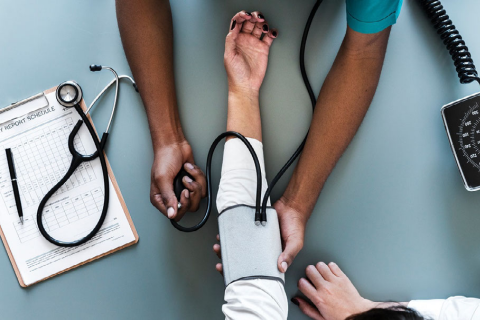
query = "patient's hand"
{"x": 333, "y": 295}
{"x": 246, "y": 51}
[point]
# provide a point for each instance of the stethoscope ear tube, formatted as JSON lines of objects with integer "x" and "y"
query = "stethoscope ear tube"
{"x": 209, "y": 181}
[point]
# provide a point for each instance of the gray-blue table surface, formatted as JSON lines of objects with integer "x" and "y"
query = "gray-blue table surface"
{"x": 394, "y": 213}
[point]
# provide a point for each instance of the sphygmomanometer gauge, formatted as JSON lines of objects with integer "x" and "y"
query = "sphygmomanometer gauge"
{"x": 462, "y": 123}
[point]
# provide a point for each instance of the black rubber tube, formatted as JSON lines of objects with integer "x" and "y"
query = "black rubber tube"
{"x": 209, "y": 181}
{"x": 313, "y": 100}
{"x": 77, "y": 159}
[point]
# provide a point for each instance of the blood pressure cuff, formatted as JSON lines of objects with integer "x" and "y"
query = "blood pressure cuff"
{"x": 249, "y": 251}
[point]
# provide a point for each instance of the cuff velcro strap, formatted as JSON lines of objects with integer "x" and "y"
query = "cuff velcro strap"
{"x": 249, "y": 251}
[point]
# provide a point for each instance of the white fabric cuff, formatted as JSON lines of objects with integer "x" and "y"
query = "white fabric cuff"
{"x": 238, "y": 184}
{"x": 237, "y": 157}
{"x": 255, "y": 299}
{"x": 427, "y": 308}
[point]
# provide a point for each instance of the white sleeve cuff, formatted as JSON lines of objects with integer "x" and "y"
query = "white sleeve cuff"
{"x": 238, "y": 184}
{"x": 255, "y": 299}
{"x": 427, "y": 308}
{"x": 237, "y": 157}
{"x": 452, "y": 308}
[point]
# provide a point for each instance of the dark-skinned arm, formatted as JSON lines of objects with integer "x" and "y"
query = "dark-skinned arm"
{"x": 342, "y": 104}
{"x": 147, "y": 35}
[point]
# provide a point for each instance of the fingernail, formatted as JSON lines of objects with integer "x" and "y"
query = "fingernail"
{"x": 189, "y": 165}
{"x": 187, "y": 178}
{"x": 260, "y": 16}
{"x": 187, "y": 194}
{"x": 248, "y": 14}
{"x": 284, "y": 266}
{"x": 170, "y": 212}
{"x": 295, "y": 301}
{"x": 234, "y": 23}
{"x": 274, "y": 33}
{"x": 265, "y": 27}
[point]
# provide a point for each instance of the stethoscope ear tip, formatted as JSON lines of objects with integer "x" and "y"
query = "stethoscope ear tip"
{"x": 95, "y": 67}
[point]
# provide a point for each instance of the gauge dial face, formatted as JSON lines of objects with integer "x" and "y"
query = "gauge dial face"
{"x": 462, "y": 122}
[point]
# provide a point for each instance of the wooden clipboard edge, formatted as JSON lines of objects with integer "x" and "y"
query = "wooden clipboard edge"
{"x": 120, "y": 198}
{"x": 12, "y": 259}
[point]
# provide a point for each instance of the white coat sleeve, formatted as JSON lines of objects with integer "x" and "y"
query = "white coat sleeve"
{"x": 256, "y": 298}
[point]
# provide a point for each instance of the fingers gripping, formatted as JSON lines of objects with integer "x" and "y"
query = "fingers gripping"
{"x": 235, "y": 27}
{"x": 293, "y": 245}
{"x": 270, "y": 36}
{"x": 163, "y": 197}
{"x": 184, "y": 204}
{"x": 249, "y": 25}
{"x": 260, "y": 29}
{"x": 199, "y": 177}
{"x": 218, "y": 251}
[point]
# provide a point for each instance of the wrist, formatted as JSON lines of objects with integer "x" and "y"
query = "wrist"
{"x": 287, "y": 205}
{"x": 163, "y": 121}
{"x": 297, "y": 202}
{"x": 245, "y": 99}
{"x": 166, "y": 136}
{"x": 178, "y": 148}
{"x": 244, "y": 93}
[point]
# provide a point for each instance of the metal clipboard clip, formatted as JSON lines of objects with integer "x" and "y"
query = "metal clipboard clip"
{"x": 39, "y": 99}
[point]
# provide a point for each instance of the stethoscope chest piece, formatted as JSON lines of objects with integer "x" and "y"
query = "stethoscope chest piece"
{"x": 69, "y": 93}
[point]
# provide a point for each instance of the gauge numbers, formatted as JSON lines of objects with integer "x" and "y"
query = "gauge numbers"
{"x": 469, "y": 136}
{"x": 462, "y": 123}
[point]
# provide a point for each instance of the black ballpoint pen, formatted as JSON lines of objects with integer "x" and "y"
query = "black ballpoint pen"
{"x": 13, "y": 177}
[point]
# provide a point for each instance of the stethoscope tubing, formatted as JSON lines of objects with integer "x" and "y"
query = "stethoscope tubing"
{"x": 209, "y": 181}
{"x": 77, "y": 159}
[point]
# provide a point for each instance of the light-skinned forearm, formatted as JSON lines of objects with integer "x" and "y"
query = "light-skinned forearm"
{"x": 244, "y": 114}
{"x": 147, "y": 36}
{"x": 342, "y": 104}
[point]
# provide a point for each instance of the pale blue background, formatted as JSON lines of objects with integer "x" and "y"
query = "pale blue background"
{"x": 394, "y": 214}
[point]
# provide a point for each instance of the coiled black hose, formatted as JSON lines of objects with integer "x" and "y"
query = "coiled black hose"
{"x": 452, "y": 39}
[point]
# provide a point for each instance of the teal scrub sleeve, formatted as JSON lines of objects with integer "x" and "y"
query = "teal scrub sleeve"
{"x": 372, "y": 16}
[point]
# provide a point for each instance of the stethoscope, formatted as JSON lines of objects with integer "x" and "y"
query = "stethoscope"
{"x": 69, "y": 94}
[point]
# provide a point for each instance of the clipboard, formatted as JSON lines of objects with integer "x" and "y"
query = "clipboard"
{"x": 116, "y": 189}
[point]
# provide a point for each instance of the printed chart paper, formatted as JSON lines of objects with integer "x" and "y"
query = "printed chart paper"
{"x": 38, "y": 136}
